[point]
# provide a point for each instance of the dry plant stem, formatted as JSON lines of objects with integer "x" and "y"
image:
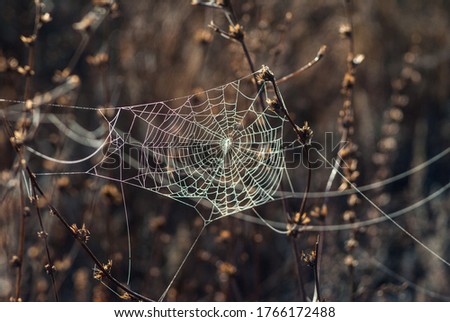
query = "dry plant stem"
{"x": 308, "y": 184}
{"x": 347, "y": 119}
{"x": 348, "y": 100}
{"x": 315, "y": 268}
{"x": 163, "y": 296}
{"x": 37, "y": 188}
{"x": 31, "y": 50}
{"x": 298, "y": 268}
{"x": 301, "y": 211}
{"x": 316, "y": 59}
{"x": 247, "y": 56}
{"x": 232, "y": 19}
{"x": 21, "y": 241}
{"x": 349, "y": 14}
{"x": 353, "y": 284}
{"x": 305, "y": 194}
{"x": 275, "y": 83}
{"x": 252, "y": 68}
{"x": 104, "y": 77}
{"x": 86, "y": 28}
{"x": 27, "y": 95}
{"x": 348, "y": 96}
{"x": 80, "y": 49}
{"x": 100, "y": 266}
{"x": 28, "y": 76}
{"x": 43, "y": 234}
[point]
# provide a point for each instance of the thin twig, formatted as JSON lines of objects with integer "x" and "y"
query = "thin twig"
{"x": 79, "y": 51}
{"x": 86, "y": 248}
{"x": 346, "y": 117}
{"x": 298, "y": 268}
{"x": 237, "y": 34}
{"x": 49, "y": 268}
{"x": 314, "y": 61}
{"x": 32, "y": 50}
{"x": 304, "y": 135}
{"x": 308, "y": 184}
{"x": 19, "y": 260}
{"x": 316, "y": 269}
{"x": 29, "y": 72}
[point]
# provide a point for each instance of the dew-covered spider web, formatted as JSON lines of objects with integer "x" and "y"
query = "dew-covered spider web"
{"x": 213, "y": 147}
{"x": 219, "y": 151}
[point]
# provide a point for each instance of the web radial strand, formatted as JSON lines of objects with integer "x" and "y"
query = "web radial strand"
{"x": 214, "y": 146}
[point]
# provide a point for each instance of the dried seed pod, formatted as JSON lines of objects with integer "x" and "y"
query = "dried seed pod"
{"x": 15, "y": 261}
{"x": 45, "y": 18}
{"x": 345, "y": 30}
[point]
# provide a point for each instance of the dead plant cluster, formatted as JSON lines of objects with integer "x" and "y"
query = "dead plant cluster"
{"x": 373, "y": 75}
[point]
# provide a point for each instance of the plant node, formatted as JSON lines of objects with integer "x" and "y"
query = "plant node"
{"x": 265, "y": 75}
{"x": 100, "y": 274}
{"x": 304, "y": 133}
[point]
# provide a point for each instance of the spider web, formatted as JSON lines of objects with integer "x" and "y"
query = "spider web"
{"x": 219, "y": 150}
{"x": 215, "y": 146}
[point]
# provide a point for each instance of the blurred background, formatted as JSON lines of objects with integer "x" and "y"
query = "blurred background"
{"x": 131, "y": 52}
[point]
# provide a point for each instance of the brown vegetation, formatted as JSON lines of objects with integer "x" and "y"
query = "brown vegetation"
{"x": 381, "y": 90}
